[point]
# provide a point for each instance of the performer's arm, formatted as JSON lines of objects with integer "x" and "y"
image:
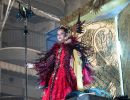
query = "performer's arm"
{"x": 44, "y": 66}
{"x": 30, "y": 65}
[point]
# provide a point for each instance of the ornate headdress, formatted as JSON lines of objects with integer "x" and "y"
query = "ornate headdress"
{"x": 76, "y": 28}
{"x": 65, "y": 28}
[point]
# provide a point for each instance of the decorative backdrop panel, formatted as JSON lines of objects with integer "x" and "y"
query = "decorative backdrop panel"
{"x": 102, "y": 37}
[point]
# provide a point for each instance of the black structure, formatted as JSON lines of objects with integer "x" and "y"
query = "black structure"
{"x": 24, "y": 13}
{"x": 89, "y": 97}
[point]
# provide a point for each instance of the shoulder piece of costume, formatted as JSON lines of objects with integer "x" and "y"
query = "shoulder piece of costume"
{"x": 85, "y": 52}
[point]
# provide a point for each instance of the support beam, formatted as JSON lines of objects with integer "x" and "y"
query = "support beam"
{"x": 1, "y": 17}
{"x": 1, "y": 10}
{"x": 37, "y": 12}
{"x": 10, "y": 4}
{"x": 0, "y": 82}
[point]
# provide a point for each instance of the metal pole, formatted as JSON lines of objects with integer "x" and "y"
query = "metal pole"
{"x": 26, "y": 73}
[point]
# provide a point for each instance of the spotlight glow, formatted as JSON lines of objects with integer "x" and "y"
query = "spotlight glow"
{"x": 118, "y": 48}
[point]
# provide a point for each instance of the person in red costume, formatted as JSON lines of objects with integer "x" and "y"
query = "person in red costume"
{"x": 56, "y": 72}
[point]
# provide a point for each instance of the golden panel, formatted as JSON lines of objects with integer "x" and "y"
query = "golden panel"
{"x": 101, "y": 36}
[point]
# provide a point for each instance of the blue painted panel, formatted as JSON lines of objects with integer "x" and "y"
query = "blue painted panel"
{"x": 51, "y": 38}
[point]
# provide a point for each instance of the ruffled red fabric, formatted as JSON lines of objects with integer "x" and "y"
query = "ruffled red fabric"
{"x": 87, "y": 79}
{"x": 61, "y": 85}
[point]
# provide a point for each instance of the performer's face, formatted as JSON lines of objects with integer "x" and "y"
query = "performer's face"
{"x": 60, "y": 35}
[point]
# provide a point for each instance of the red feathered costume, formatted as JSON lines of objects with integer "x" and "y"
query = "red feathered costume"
{"x": 56, "y": 75}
